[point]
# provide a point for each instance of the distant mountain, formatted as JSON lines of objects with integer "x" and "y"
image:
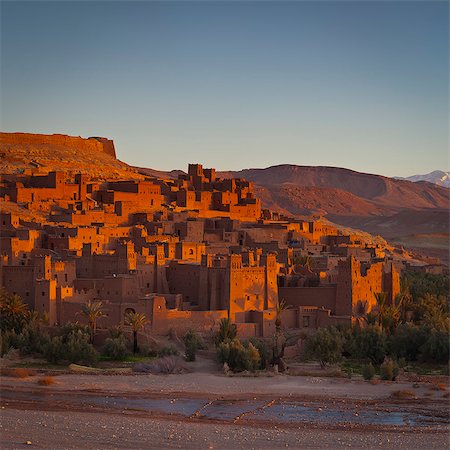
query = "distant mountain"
{"x": 436, "y": 177}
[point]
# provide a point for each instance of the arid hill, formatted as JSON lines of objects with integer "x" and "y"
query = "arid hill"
{"x": 95, "y": 156}
{"x": 398, "y": 210}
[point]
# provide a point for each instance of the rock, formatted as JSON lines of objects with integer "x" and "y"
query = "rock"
{"x": 282, "y": 366}
{"x": 226, "y": 368}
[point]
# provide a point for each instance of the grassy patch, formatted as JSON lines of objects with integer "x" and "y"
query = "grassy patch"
{"x": 421, "y": 368}
{"x": 128, "y": 359}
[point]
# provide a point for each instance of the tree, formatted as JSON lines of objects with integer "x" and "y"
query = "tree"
{"x": 192, "y": 343}
{"x": 14, "y": 313}
{"x": 381, "y": 298}
{"x": 93, "y": 311}
{"x": 136, "y": 321}
{"x": 239, "y": 356}
{"x": 280, "y": 307}
{"x": 278, "y": 339}
{"x": 227, "y": 331}
{"x": 325, "y": 345}
{"x": 371, "y": 343}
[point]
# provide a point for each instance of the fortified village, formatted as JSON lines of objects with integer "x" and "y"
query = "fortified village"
{"x": 186, "y": 252}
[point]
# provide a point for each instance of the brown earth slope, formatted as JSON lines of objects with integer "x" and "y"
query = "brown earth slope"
{"x": 94, "y": 156}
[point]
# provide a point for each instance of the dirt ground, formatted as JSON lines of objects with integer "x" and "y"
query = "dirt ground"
{"x": 52, "y": 422}
{"x": 75, "y": 430}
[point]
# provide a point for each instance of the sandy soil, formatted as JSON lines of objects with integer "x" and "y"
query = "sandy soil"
{"x": 73, "y": 430}
{"x": 56, "y": 422}
{"x": 220, "y": 385}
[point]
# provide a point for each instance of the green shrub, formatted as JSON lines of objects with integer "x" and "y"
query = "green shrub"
{"x": 371, "y": 343}
{"x": 148, "y": 350}
{"x": 168, "y": 350}
{"x": 116, "y": 348}
{"x": 254, "y": 358}
{"x": 263, "y": 350}
{"x": 436, "y": 347}
{"x": 368, "y": 371}
{"x": 30, "y": 341}
{"x": 226, "y": 333}
{"x": 116, "y": 332}
{"x": 239, "y": 357}
{"x": 192, "y": 343}
{"x": 325, "y": 346}
{"x": 389, "y": 370}
{"x": 407, "y": 341}
{"x": 74, "y": 346}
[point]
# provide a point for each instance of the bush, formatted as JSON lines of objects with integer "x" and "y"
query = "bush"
{"x": 325, "y": 345}
{"x": 371, "y": 343}
{"x": 192, "y": 342}
{"x": 389, "y": 370}
{"x": 29, "y": 341}
{"x": 74, "y": 346}
{"x": 116, "y": 348}
{"x": 18, "y": 373}
{"x": 368, "y": 371}
{"x": 403, "y": 394}
{"x": 168, "y": 350}
{"x": 436, "y": 347}
{"x": 407, "y": 341}
{"x": 166, "y": 365}
{"x": 46, "y": 381}
{"x": 263, "y": 350}
{"x": 148, "y": 350}
{"x": 239, "y": 357}
{"x": 227, "y": 332}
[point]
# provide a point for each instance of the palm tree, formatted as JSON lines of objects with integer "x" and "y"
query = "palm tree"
{"x": 406, "y": 300}
{"x": 381, "y": 298}
{"x": 136, "y": 321}
{"x": 278, "y": 347}
{"x": 361, "y": 312}
{"x": 93, "y": 311}
{"x": 280, "y": 307}
{"x": 13, "y": 311}
{"x": 227, "y": 331}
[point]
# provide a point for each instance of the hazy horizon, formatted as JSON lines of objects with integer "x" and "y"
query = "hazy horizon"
{"x": 235, "y": 85}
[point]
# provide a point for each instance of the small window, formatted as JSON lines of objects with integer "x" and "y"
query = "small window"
{"x": 43, "y": 293}
{"x": 306, "y": 321}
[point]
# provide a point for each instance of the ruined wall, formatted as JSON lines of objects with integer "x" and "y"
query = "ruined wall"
{"x": 94, "y": 144}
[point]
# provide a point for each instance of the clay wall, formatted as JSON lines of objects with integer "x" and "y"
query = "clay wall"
{"x": 310, "y": 296}
{"x": 184, "y": 279}
{"x": 90, "y": 145}
{"x": 19, "y": 280}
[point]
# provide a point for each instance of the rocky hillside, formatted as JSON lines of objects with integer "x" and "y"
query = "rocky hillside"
{"x": 95, "y": 156}
{"x": 398, "y": 210}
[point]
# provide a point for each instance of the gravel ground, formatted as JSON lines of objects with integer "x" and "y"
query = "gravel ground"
{"x": 207, "y": 383}
{"x": 73, "y": 430}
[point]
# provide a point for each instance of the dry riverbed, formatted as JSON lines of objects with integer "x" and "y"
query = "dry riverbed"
{"x": 206, "y": 410}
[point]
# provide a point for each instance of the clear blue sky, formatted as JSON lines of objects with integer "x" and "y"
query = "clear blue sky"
{"x": 362, "y": 85}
